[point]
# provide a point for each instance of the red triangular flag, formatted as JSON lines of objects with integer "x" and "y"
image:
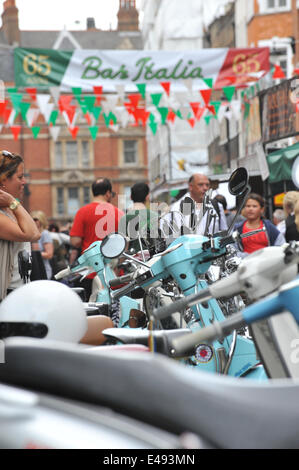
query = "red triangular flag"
{"x": 212, "y": 109}
{"x": 191, "y": 122}
{"x": 296, "y": 71}
{"x": 166, "y": 86}
{"x": 88, "y": 118}
{"x": 134, "y": 99}
{"x": 15, "y": 131}
{"x": 74, "y": 131}
{"x": 70, "y": 111}
{"x": 31, "y": 92}
{"x": 2, "y": 107}
{"x": 171, "y": 115}
{"x": 98, "y": 90}
{"x": 278, "y": 72}
{"x": 64, "y": 102}
{"x": 6, "y": 114}
{"x": 199, "y": 113}
{"x": 195, "y": 107}
{"x": 206, "y": 95}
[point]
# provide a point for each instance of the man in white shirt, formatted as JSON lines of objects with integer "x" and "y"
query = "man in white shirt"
{"x": 198, "y": 185}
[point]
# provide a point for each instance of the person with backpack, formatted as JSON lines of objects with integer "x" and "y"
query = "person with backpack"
{"x": 190, "y": 208}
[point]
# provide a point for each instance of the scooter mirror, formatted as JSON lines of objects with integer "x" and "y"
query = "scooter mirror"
{"x": 238, "y": 181}
{"x": 295, "y": 172}
{"x": 137, "y": 319}
{"x": 113, "y": 245}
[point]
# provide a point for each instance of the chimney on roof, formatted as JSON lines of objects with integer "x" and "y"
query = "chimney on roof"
{"x": 10, "y": 22}
{"x": 90, "y": 23}
{"x": 128, "y": 17}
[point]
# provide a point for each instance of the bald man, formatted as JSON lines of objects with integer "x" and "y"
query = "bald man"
{"x": 198, "y": 185}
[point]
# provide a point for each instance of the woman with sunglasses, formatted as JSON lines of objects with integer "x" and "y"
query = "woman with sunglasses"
{"x": 17, "y": 228}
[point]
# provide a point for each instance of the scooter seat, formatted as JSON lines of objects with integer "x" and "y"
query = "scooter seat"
{"x": 162, "y": 338}
{"x": 226, "y": 412}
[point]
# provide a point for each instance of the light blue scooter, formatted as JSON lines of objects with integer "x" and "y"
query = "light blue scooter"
{"x": 93, "y": 261}
{"x": 186, "y": 260}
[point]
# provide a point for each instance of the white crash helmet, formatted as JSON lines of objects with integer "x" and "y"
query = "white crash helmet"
{"x": 43, "y": 309}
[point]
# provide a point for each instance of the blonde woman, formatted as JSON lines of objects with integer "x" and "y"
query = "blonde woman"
{"x": 45, "y": 243}
{"x": 17, "y": 229}
{"x": 289, "y": 202}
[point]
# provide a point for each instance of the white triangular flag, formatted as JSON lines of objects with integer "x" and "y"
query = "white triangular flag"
{"x": 55, "y": 93}
{"x": 42, "y": 101}
{"x": 120, "y": 89}
{"x": 31, "y": 116}
{"x": 54, "y": 131}
{"x": 48, "y": 110}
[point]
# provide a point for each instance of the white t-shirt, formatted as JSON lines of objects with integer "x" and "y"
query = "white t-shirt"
{"x": 179, "y": 219}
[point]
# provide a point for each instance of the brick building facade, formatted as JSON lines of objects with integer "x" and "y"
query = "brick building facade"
{"x": 60, "y": 173}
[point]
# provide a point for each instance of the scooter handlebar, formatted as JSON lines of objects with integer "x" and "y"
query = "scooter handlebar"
{"x": 121, "y": 280}
{"x": 184, "y": 344}
{"x": 61, "y": 274}
{"x": 179, "y": 305}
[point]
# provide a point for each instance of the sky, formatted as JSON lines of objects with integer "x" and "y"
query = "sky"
{"x": 55, "y": 14}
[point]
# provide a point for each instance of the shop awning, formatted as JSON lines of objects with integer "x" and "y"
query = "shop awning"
{"x": 280, "y": 163}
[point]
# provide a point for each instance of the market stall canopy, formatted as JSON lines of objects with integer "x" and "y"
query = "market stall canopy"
{"x": 280, "y": 163}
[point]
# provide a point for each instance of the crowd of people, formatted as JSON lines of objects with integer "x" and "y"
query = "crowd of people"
{"x": 54, "y": 247}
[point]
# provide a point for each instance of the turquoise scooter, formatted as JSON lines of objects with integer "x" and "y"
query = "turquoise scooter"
{"x": 186, "y": 261}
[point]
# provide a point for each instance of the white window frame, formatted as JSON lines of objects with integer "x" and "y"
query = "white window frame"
{"x": 81, "y": 162}
{"x": 135, "y": 162}
{"x": 281, "y": 43}
{"x": 263, "y": 7}
{"x": 64, "y": 203}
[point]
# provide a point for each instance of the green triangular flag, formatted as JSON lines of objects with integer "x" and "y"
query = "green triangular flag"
{"x": 106, "y": 118}
{"x": 96, "y": 111}
{"x": 152, "y": 118}
{"x": 35, "y": 131}
{"x": 113, "y": 117}
{"x": 208, "y": 81}
{"x": 93, "y": 131}
{"x": 16, "y": 99}
{"x": 53, "y": 117}
{"x": 89, "y": 102}
{"x": 24, "y": 108}
{"x": 156, "y": 97}
{"x": 163, "y": 113}
{"x": 216, "y": 105}
{"x": 178, "y": 113}
{"x": 207, "y": 119}
{"x": 153, "y": 125}
{"x": 12, "y": 90}
{"x": 246, "y": 111}
{"x": 141, "y": 88}
{"x": 77, "y": 92}
{"x": 229, "y": 92}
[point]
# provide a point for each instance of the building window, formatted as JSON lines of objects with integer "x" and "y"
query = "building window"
{"x": 72, "y": 154}
{"x": 272, "y": 6}
{"x": 60, "y": 201}
{"x": 130, "y": 151}
{"x": 58, "y": 155}
{"x": 85, "y": 154}
{"x": 73, "y": 203}
{"x": 70, "y": 198}
{"x": 86, "y": 195}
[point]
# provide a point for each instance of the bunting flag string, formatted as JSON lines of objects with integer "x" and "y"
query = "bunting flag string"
{"x": 75, "y": 110}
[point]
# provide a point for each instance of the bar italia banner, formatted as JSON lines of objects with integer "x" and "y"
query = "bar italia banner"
{"x": 109, "y": 68}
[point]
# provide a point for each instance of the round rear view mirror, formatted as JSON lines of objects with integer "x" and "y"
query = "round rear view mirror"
{"x": 238, "y": 181}
{"x": 295, "y": 172}
{"x": 113, "y": 245}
